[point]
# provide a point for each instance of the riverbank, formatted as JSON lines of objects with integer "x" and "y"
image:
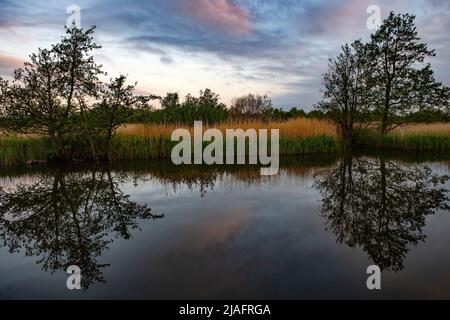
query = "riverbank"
{"x": 297, "y": 137}
{"x": 413, "y": 141}
{"x": 140, "y": 142}
{"x": 19, "y": 150}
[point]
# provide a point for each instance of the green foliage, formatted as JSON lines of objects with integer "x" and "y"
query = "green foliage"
{"x": 141, "y": 148}
{"x": 282, "y": 115}
{"x": 58, "y": 95}
{"x": 206, "y": 107}
{"x": 182, "y": 114}
{"x": 319, "y": 144}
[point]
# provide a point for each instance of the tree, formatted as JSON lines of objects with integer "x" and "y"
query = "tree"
{"x": 346, "y": 91}
{"x": 50, "y": 90}
{"x": 116, "y": 105}
{"x": 59, "y": 95}
{"x": 206, "y": 108}
{"x": 209, "y": 109}
{"x": 171, "y": 108}
{"x": 33, "y": 98}
{"x": 5, "y": 100}
{"x": 251, "y": 106}
{"x": 403, "y": 81}
{"x": 171, "y": 100}
{"x": 79, "y": 77}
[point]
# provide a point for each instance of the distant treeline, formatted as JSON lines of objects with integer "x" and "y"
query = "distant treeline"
{"x": 210, "y": 110}
{"x": 207, "y": 108}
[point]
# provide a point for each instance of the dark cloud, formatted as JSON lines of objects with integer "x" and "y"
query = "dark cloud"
{"x": 166, "y": 60}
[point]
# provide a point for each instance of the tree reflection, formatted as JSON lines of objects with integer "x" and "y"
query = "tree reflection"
{"x": 69, "y": 218}
{"x": 380, "y": 205}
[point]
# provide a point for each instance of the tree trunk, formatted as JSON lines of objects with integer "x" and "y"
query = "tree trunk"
{"x": 385, "y": 118}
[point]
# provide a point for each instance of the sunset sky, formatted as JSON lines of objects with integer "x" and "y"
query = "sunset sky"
{"x": 231, "y": 46}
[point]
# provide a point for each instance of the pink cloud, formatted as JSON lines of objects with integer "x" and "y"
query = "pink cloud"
{"x": 9, "y": 63}
{"x": 220, "y": 14}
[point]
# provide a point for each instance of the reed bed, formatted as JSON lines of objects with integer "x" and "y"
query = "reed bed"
{"x": 297, "y": 137}
{"x": 292, "y": 129}
{"x": 140, "y": 142}
{"x": 417, "y": 137}
{"x": 20, "y": 149}
{"x": 423, "y": 129}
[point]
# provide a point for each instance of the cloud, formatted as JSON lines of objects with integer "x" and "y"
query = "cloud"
{"x": 223, "y": 15}
{"x": 9, "y": 63}
{"x": 166, "y": 60}
{"x": 276, "y": 46}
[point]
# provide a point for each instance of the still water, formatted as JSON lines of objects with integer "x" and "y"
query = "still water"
{"x": 151, "y": 230}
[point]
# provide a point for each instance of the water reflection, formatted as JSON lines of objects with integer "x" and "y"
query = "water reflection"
{"x": 222, "y": 223}
{"x": 380, "y": 205}
{"x": 68, "y": 218}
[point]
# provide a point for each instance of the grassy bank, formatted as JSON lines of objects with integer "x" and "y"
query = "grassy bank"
{"x": 297, "y": 137}
{"x": 124, "y": 147}
{"x": 19, "y": 150}
{"x": 140, "y": 142}
{"x": 140, "y": 148}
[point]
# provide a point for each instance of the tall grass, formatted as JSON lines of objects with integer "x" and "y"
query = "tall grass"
{"x": 292, "y": 129}
{"x": 434, "y": 129}
{"x": 19, "y": 149}
{"x": 419, "y": 137}
{"x": 128, "y": 147}
{"x": 137, "y": 141}
{"x": 299, "y": 136}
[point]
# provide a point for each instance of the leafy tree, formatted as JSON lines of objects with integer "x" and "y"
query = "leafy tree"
{"x": 346, "y": 91}
{"x": 296, "y": 113}
{"x": 33, "y": 101}
{"x": 171, "y": 100}
{"x": 279, "y": 114}
{"x": 58, "y": 94}
{"x": 206, "y": 108}
{"x": 115, "y": 108}
{"x": 403, "y": 81}
{"x": 50, "y": 90}
{"x": 79, "y": 77}
{"x": 316, "y": 114}
{"x": 5, "y": 100}
{"x": 209, "y": 108}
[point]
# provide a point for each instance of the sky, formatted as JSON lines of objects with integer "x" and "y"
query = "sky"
{"x": 234, "y": 47}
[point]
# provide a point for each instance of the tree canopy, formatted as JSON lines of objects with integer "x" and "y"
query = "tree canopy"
{"x": 387, "y": 80}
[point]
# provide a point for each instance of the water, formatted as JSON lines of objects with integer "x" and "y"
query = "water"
{"x": 150, "y": 230}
